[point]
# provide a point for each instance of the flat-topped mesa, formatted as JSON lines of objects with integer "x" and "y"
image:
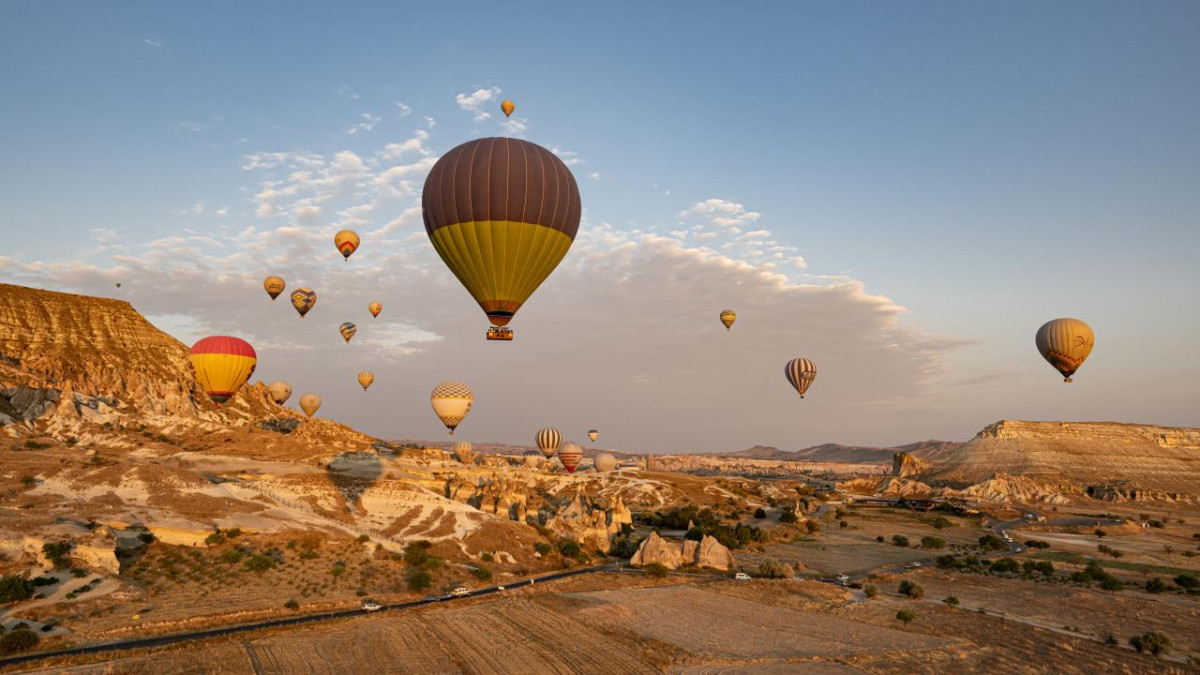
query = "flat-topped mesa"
{"x": 1145, "y": 456}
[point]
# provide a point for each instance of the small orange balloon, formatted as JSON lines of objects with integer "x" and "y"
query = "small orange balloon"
{"x": 508, "y": 107}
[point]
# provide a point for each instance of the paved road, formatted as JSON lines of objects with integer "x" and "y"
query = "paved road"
{"x": 161, "y": 640}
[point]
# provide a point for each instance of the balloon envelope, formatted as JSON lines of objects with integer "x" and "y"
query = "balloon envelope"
{"x": 310, "y": 403}
{"x": 274, "y": 286}
{"x": 280, "y": 391}
{"x": 548, "y": 440}
{"x": 501, "y": 213}
{"x": 347, "y": 330}
{"x": 508, "y": 107}
{"x": 365, "y": 378}
{"x": 222, "y": 364}
{"x": 303, "y": 300}
{"x": 604, "y": 462}
{"x": 532, "y": 458}
{"x": 728, "y": 316}
{"x": 463, "y": 453}
{"x": 570, "y": 455}
{"x": 593, "y": 434}
{"x": 375, "y": 308}
{"x": 451, "y": 402}
{"x": 1065, "y": 344}
{"x": 347, "y": 242}
{"x": 800, "y": 373}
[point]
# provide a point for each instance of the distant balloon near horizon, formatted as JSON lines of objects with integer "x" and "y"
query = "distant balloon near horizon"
{"x": 118, "y": 284}
{"x": 532, "y": 459}
{"x": 347, "y": 242}
{"x": 507, "y": 107}
{"x": 463, "y": 452}
{"x": 548, "y": 440}
{"x": 375, "y": 308}
{"x": 604, "y": 462}
{"x": 303, "y": 299}
{"x": 1065, "y": 344}
{"x": 800, "y": 373}
{"x": 280, "y": 391}
{"x": 501, "y": 213}
{"x": 593, "y": 434}
{"x": 221, "y": 365}
{"x": 570, "y": 455}
{"x": 365, "y": 378}
{"x": 348, "y": 331}
{"x": 451, "y": 402}
{"x": 274, "y": 285}
{"x": 310, "y": 404}
{"x": 728, "y": 316}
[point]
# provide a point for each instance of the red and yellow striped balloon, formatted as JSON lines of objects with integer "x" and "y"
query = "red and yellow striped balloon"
{"x": 222, "y": 364}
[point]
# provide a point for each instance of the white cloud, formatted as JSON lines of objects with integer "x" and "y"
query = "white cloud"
{"x": 195, "y": 127}
{"x": 405, "y": 110}
{"x": 595, "y": 175}
{"x": 482, "y": 116}
{"x": 429, "y": 122}
{"x": 367, "y": 124}
{"x": 102, "y": 234}
{"x": 474, "y": 101}
{"x": 156, "y": 43}
{"x": 415, "y": 145}
{"x": 515, "y": 126}
{"x": 569, "y": 157}
{"x": 223, "y": 211}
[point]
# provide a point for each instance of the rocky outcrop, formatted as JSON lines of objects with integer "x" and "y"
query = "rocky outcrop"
{"x": 905, "y": 465}
{"x": 284, "y": 425}
{"x": 24, "y": 403}
{"x": 593, "y": 527}
{"x": 1006, "y": 489}
{"x": 708, "y": 552}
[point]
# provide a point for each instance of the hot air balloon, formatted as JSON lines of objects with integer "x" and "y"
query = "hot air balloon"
{"x": 303, "y": 300}
{"x": 800, "y": 373}
{"x": 463, "y": 453}
{"x": 1065, "y": 343}
{"x": 728, "y": 316}
{"x": 451, "y": 403}
{"x": 347, "y": 330}
{"x": 501, "y": 212}
{"x": 280, "y": 391}
{"x": 532, "y": 459}
{"x": 508, "y": 107}
{"x": 310, "y": 403}
{"x": 274, "y": 286}
{"x": 346, "y": 242}
{"x": 222, "y": 364}
{"x": 570, "y": 455}
{"x": 375, "y": 308}
{"x": 548, "y": 440}
{"x": 593, "y": 434}
{"x": 604, "y": 462}
{"x": 365, "y": 378}
{"x": 118, "y": 284}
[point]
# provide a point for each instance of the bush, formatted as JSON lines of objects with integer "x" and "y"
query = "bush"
{"x": 28, "y": 481}
{"x": 899, "y": 540}
{"x": 933, "y": 542}
{"x": 951, "y": 600}
{"x": 542, "y": 548}
{"x": 417, "y": 553}
{"x": 569, "y": 548}
{"x": 487, "y": 557}
{"x": 1151, "y": 641}
{"x": 14, "y": 588}
{"x": 760, "y": 513}
{"x": 420, "y": 580}
{"x": 879, "y": 539}
{"x": 1006, "y": 565}
{"x": 214, "y": 539}
{"x": 1187, "y": 581}
{"x": 58, "y": 553}
{"x": 1101, "y": 533}
{"x": 941, "y": 523}
{"x": 906, "y": 616}
{"x": 338, "y": 571}
{"x": 788, "y": 516}
{"x": 18, "y": 640}
{"x": 812, "y": 526}
{"x": 1156, "y": 585}
{"x": 363, "y": 538}
{"x": 259, "y": 563}
{"x": 624, "y": 547}
{"x": 292, "y": 604}
{"x": 482, "y": 573}
{"x": 656, "y": 570}
{"x": 1037, "y": 543}
{"x": 233, "y": 532}
{"x": 146, "y": 537}
{"x": 911, "y": 589}
{"x": 78, "y": 572}
{"x": 34, "y": 445}
{"x": 1112, "y": 584}
{"x": 990, "y": 542}
{"x": 771, "y": 569}
{"x": 232, "y": 556}
{"x": 871, "y": 590}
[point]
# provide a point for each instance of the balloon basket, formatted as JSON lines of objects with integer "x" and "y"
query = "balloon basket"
{"x": 499, "y": 333}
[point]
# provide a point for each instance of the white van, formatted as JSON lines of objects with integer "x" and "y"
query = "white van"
{"x": 742, "y": 576}
{"x": 459, "y": 592}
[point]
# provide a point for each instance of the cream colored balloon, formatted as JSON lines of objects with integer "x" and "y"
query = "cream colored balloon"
{"x": 532, "y": 458}
{"x": 1065, "y": 344}
{"x": 280, "y": 391}
{"x": 463, "y": 452}
{"x": 310, "y": 403}
{"x": 365, "y": 378}
{"x": 604, "y": 462}
{"x": 451, "y": 402}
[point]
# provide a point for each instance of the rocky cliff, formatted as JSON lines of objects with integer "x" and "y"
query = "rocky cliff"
{"x": 708, "y": 552}
{"x": 1093, "y": 454}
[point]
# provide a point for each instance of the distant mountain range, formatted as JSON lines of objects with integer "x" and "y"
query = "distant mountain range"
{"x": 836, "y": 452}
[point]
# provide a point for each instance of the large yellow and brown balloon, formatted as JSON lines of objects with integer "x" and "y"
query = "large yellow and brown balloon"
{"x": 375, "y": 308}
{"x": 280, "y": 391}
{"x": 365, "y": 378}
{"x": 303, "y": 299}
{"x": 274, "y": 286}
{"x": 507, "y": 107}
{"x": 222, "y": 364}
{"x": 501, "y": 212}
{"x": 1065, "y": 344}
{"x": 728, "y": 316}
{"x": 548, "y": 440}
{"x": 451, "y": 402}
{"x": 347, "y": 242}
{"x": 800, "y": 373}
{"x": 348, "y": 330}
{"x": 310, "y": 403}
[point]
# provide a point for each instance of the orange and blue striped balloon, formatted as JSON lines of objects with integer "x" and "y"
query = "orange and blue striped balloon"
{"x": 222, "y": 364}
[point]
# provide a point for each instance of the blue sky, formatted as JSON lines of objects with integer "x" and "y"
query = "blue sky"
{"x": 987, "y": 167}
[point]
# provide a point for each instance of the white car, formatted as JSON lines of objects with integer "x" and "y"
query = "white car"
{"x": 742, "y": 576}
{"x": 916, "y": 564}
{"x": 459, "y": 592}
{"x": 371, "y": 606}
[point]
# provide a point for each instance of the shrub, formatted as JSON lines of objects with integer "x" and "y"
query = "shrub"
{"x": 308, "y": 555}
{"x": 542, "y": 548}
{"x": 788, "y": 516}
{"x": 1037, "y": 543}
{"x": 420, "y": 580}
{"x": 292, "y": 604}
{"x": 232, "y": 556}
{"x": 879, "y": 539}
{"x": 417, "y": 553}
{"x": 487, "y": 558}
{"x": 292, "y": 543}
{"x": 1151, "y": 641}
{"x": 1112, "y": 584}
{"x": 28, "y": 481}
{"x": 933, "y": 542}
{"x": 1006, "y": 565}
{"x": 569, "y": 548}
{"x": 1187, "y": 581}
{"x": 760, "y": 513}
{"x": 78, "y": 572}
{"x": 951, "y": 600}
{"x": 941, "y": 523}
{"x": 843, "y": 524}
{"x": 14, "y": 588}
{"x": 899, "y": 540}
{"x": 1101, "y": 533}
{"x": 362, "y": 538}
{"x": 58, "y": 553}
{"x": 911, "y": 589}
{"x": 906, "y": 616}
{"x": 214, "y": 539}
{"x": 656, "y": 570}
{"x": 233, "y": 533}
{"x": 1156, "y": 585}
{"x": 990, "y": 542}
{"x": 624, "y": 547}
{"x": 812, "y": 526}
{"x": 771, "y": 569}
{"x": 337, "y": 571}
{"x": 34, "y": 445}
{"x": 482, "y": 573}
{"x": 18, "y": 640}
{"x": 871, "y": 590}
{"x": 259, "y": 563}
{"x": 146, "y": 537}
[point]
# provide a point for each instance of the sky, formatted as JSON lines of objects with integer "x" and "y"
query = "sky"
{"x": 902, "y": 193}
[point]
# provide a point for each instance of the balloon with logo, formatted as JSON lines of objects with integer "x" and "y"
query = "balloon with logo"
{"x": 800, "y": 373}
{"x": 280, "y": 391}
{"x": 310, "y": 403}
{"x": 274, "y": 286}
{"x": 1065, "y": 344}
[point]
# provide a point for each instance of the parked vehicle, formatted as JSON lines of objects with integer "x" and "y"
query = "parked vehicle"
{"x": 371, "y": 606}
{"x": 460, "y": 592}
{"x": 742, "y": 576}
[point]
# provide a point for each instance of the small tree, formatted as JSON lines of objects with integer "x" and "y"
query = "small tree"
{"x": 18, "y": 640}
{"x": 292, "y": 604}
{"x": 771, "y": 569}
{"x": 906, "y": 616}
{"x": 481, "y": 573}
{"x": 870, "y": 590}
{"x": 59, "y": 553}
{"x": 259, "y": 563}
{"x": 214, "y": 539}
{"x": 1101, "y": 533}
{"x": 760, "y": 513}
{"x": 788, "y": 516}
{"x": 15, "y": 588}
{"x": 951, "y": 600}
{"x": 911, "y": 589}
{"x": 1156, "y": 585}
{"x": 1151, "y": 641}
{"x": 656, "y": 570}
{"x": 812, "y": 526}
{"x": 420, "y": 580}
{"x": 1187, "y": 581}
{"x": 933, "y": 542}
{"x": 899, "y": 540}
